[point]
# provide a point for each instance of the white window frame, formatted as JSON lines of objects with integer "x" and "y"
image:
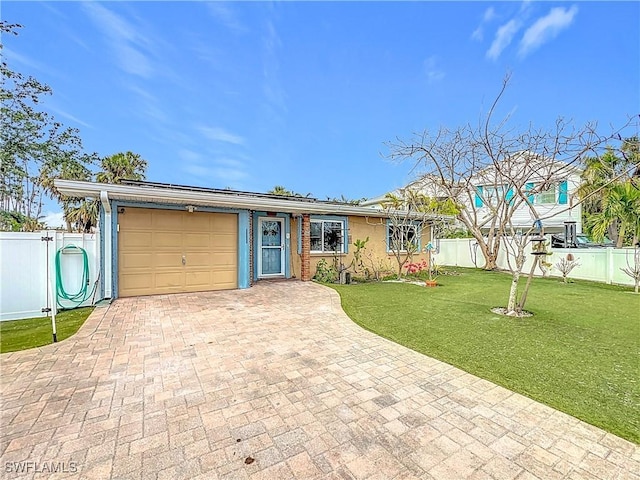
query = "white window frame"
{"x": 545, "y": 194}
{"x": 403, "y": 241}
{"x": 493, "y": 193}
{"x": 322, "y": 233}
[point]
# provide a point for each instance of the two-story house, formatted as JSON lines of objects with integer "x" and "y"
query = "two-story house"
{"x": 550, "y": 187}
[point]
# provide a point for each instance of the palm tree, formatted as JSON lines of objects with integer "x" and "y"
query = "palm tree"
{"x": 122, "y": 166}
{"x": 83, "y": 214}
{"x": 602, "y": 188}
{"x": 621, "y": 206}
{"x": 68, "y": 170}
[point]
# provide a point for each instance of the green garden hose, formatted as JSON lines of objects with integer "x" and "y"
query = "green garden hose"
{"x": 84, "y": 292}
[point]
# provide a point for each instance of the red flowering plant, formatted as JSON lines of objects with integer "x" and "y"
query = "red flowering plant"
{"x": 419, "y": 269}
{"x": 414, "y": 269}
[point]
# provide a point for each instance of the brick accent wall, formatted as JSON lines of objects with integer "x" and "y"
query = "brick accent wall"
{"x": 306, "y": 249}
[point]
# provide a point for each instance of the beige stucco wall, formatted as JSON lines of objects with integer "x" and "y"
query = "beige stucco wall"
{"x": 359, "y": 229}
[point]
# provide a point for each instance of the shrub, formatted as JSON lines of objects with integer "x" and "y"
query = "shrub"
{"x": 325, "y": 273}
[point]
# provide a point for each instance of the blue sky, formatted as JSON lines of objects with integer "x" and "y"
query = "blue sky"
{"x": 305, "y": 94}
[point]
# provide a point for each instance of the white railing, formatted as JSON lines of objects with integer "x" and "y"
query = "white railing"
{"x": 596, "y": 264}
{"x": 26, "y": 260}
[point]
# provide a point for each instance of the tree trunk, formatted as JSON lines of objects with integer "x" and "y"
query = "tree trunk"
{"x": 490, "y": 258}
{"x": 515, "y": 279}
{"x": 513, "y": 292}
{"x": 613, "y": 232}
{"x": 621, "y": 233}
{"x": 523, "y": 299}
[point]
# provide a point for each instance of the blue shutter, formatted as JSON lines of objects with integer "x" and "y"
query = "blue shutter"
{"x": 345, "y": 240}
{"x": 478, "y": 196}
{"x": 509, "y": 196}
{"x": 562, "y": 193}
{"x": 528, "y": 187}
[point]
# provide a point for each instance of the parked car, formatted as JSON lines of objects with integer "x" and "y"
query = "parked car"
{"x": 582, "y": 241}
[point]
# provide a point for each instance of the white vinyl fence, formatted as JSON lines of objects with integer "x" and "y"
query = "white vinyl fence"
{"x": 26, "y": 260}
{"x": 596, "y": 264}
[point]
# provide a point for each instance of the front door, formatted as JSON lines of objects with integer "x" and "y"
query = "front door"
{"x": 271, "y": 246}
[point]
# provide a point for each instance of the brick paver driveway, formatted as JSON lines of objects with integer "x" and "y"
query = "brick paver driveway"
{"x": 198, "y": 385}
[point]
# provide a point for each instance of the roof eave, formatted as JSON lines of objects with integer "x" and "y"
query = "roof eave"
{"x": 73, "y": 188}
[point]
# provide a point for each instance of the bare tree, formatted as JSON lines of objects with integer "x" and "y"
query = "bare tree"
{"x": 406, "y": 223}
{"x": 565, "y": 265}
{"x": 633, "y": 270}
{"x": 494, "y": 171}
{"x": 410, "y": 212}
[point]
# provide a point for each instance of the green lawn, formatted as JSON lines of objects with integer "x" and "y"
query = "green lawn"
{"x": 36, "y": 332}
{"x": 579, "y": 353}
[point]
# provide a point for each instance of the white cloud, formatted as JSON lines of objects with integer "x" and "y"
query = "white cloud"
{"x": 547, "y": 28}
{"x": 272, "y": 87}
{"x": 227, "y": 16}
{"x": 216, "y": 175}
{"x": 478, "y": 33}
{"x": 503, "y": 38}
{"x": 126, "y": 39}
{"x": 134, "y": 61}
{"x": 29, "y": 62}
{"x": 221, "y": 135}
{"x": 229, "y": 162}
{"x": 54, "y": 220}
{"x": 189, "y": 155}
{"x": 434, "y": 73}
{"x": 146, "y": 105}
{"x": 68, "y": 116}
{"x": 210, "y": 169}
{"x": 489, "y": 14}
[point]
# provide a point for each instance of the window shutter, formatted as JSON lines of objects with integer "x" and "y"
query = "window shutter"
{"x": 345, "y": 233}
{"x": 509, "y": 196}
{"x": 479, "y": 196}
{"x": 528, "y": 187}
{"x": 563, "y": 193}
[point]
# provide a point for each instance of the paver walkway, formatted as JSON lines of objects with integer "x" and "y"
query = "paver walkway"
{"x": 196, "y": 385}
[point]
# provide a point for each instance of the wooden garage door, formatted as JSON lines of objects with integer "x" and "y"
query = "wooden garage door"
{"x": 170, "y": 251}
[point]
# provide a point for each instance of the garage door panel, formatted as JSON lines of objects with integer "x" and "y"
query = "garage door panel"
{"x": 136, "y": 260}
{"x": 195, "y": 240}
{"x": 136, "y": 239}
{"x": 169, "y": 279}
{"x": 227, "y": 276}
{"x": 199, "y": 222}
{"x": 138, "y": 217}
{"x": 167, "y": 260}
{"x": 201, "y": 259}
{"x": 226, "y": 242}
{"x": 198, "y": 279}
{"x": 224, "y": 260}
{"x": 166, "y": 220}
{"x": 152, "y": 243}
{"x": 225, "y": 223}
{"x": 170, "y": 240}
{"x": 135, "y": 281}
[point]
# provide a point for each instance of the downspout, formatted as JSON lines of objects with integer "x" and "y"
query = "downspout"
{"x": 104, "y": 198}
{"x": 105, "y": 232}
